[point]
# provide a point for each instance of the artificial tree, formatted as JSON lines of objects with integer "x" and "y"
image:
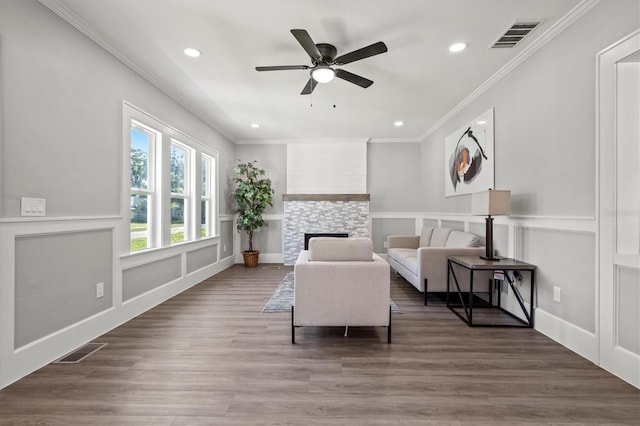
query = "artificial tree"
{"x": 252, "y": 195}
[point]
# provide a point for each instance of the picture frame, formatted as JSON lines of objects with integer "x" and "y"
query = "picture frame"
{"x": 469, "y": 157}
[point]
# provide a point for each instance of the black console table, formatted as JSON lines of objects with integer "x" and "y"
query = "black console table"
{"x": 463, "y": 307}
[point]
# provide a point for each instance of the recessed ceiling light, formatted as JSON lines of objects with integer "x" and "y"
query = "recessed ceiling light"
{"x": 481, "y": 122}
{"x": 398, "y": 123}
{"x": 191, "y": 52}
{"x": 457, "y": 47}
{"x": 255, "y": 125}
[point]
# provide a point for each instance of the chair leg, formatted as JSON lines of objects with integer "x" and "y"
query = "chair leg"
{"x": 293, "y": 328}
{"x": 425, "y": 292}
{"x": 389, "y": 327}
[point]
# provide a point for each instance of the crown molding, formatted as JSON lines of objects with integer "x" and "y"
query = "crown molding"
{"x": 552, "y": 32}
{"x": 81, "y": 25}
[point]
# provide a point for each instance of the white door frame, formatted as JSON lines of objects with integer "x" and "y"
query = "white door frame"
{"x": 612, "y": 357}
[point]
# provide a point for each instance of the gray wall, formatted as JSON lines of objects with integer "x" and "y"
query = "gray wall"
{"x": 393, "y": 170}
{"x": 544, "y": 123}
{"x": 57, "y": 142}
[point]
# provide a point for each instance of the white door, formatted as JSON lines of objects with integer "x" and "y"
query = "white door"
{"x": 618, "y": 118}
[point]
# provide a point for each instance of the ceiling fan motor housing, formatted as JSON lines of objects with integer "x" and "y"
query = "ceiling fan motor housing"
{"x": 328, "y": 52}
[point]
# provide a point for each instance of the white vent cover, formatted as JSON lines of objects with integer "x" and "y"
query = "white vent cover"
{"x": 514, "y": 35}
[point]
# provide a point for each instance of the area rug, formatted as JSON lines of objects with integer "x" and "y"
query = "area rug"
{"x": 282, "y": 298}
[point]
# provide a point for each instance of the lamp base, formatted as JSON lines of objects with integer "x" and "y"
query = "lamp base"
{"x": 492, "y": 259}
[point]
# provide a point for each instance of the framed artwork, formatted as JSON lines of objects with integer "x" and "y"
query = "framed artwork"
{"x": 469, "y": 157}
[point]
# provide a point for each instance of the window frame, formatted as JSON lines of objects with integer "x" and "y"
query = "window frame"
{"x": 159, "y": 169}
{"x": 209, "y": 196}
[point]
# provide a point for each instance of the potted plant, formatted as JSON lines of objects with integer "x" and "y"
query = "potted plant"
{"x": 252, "y": 195}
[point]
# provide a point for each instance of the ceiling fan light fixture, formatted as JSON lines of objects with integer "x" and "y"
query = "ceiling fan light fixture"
{"x": 323, "y": 74}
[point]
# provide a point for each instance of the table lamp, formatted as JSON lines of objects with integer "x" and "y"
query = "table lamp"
{"x": 490, "y": 203}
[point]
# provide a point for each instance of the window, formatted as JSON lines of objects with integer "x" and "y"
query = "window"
{"x": 142, "y": 183}
{"x": 170, "y": 188}
{"x": 179, "y": 192}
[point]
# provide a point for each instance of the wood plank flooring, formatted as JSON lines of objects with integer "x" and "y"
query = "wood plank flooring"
{"x": 210, "y": 356}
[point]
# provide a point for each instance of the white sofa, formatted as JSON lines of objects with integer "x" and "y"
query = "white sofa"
{"x": 341, "y": 282}
{"x": 422, "y": 259}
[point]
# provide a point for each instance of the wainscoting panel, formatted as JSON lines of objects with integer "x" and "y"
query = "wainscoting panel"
{"x": 430, "y": 222}
{"x": 141, "y": 279}
{"x": 629, "y": 309}
{"x": 453, "y": 224}
{"x": 55, "y": 281}
{"x": 227, "y": 231}
{"x": 198, "y": 259}
{"x": 565, "y": 259}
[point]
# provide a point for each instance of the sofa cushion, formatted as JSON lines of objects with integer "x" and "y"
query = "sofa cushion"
{"x": 401, "y": 255}
{"x": 439, "y": 237}
{"x": 328, "y": 249}
{"x": 462, "y": 239}
{"x": 425, "y": 236}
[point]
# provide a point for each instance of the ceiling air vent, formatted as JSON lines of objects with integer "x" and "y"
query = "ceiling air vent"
{"x": 514, "y": 35}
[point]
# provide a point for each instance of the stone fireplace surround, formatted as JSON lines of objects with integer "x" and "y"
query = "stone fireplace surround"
{"x": 322, "y": 213}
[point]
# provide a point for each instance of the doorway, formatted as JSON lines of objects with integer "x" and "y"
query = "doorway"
{"x": 618, "y": 144}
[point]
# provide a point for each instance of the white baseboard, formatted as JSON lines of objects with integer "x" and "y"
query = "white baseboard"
{"x": 577, "y": 339}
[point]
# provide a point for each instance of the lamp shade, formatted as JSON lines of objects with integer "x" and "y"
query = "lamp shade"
{"x": 491, "y": 203}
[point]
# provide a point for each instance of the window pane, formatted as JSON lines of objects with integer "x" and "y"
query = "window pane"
{"x": 178, "y": 161}
{"x": 140, "y": 143}
{"x": 204, "y": 175}
{"x": 139, "y": 233}
{"x": 177, "y": 220}
{"x": 204, "y": 231}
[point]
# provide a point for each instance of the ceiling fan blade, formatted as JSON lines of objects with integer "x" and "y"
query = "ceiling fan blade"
{"x": 308, "y": 88}
{"x": 283, "y": 67}
{"x": 307, "y": 44}
{"x": 365, "y": 52}
{"x": 354, "y": 78}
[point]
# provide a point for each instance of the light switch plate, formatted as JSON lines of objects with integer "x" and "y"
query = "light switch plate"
{"x": 33, "y": 206}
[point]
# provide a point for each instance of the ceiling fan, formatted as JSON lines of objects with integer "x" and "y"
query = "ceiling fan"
{"x": 323, "y": 57}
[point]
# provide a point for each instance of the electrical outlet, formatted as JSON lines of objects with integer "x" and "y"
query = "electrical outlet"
{"x": 99, "y": 290}
{"x": 557, "y": 294}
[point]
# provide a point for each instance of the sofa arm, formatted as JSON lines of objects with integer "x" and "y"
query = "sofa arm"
{"x": 432, "y": 263}
{"x": 403, "y": 241}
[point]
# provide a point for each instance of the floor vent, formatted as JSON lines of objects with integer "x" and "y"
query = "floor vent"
{"x": 272, "y": 267}
{"x": 81, "y": 353}
{"x": 514, "y": 35}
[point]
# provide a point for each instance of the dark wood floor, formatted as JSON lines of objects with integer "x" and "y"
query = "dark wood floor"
{"x": 210, "y": 356}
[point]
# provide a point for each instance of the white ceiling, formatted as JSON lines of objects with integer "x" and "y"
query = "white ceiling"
{"x": 417, "y": 81}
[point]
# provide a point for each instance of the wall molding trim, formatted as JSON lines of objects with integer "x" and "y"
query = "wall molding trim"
{"x": 78, "y": 23}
